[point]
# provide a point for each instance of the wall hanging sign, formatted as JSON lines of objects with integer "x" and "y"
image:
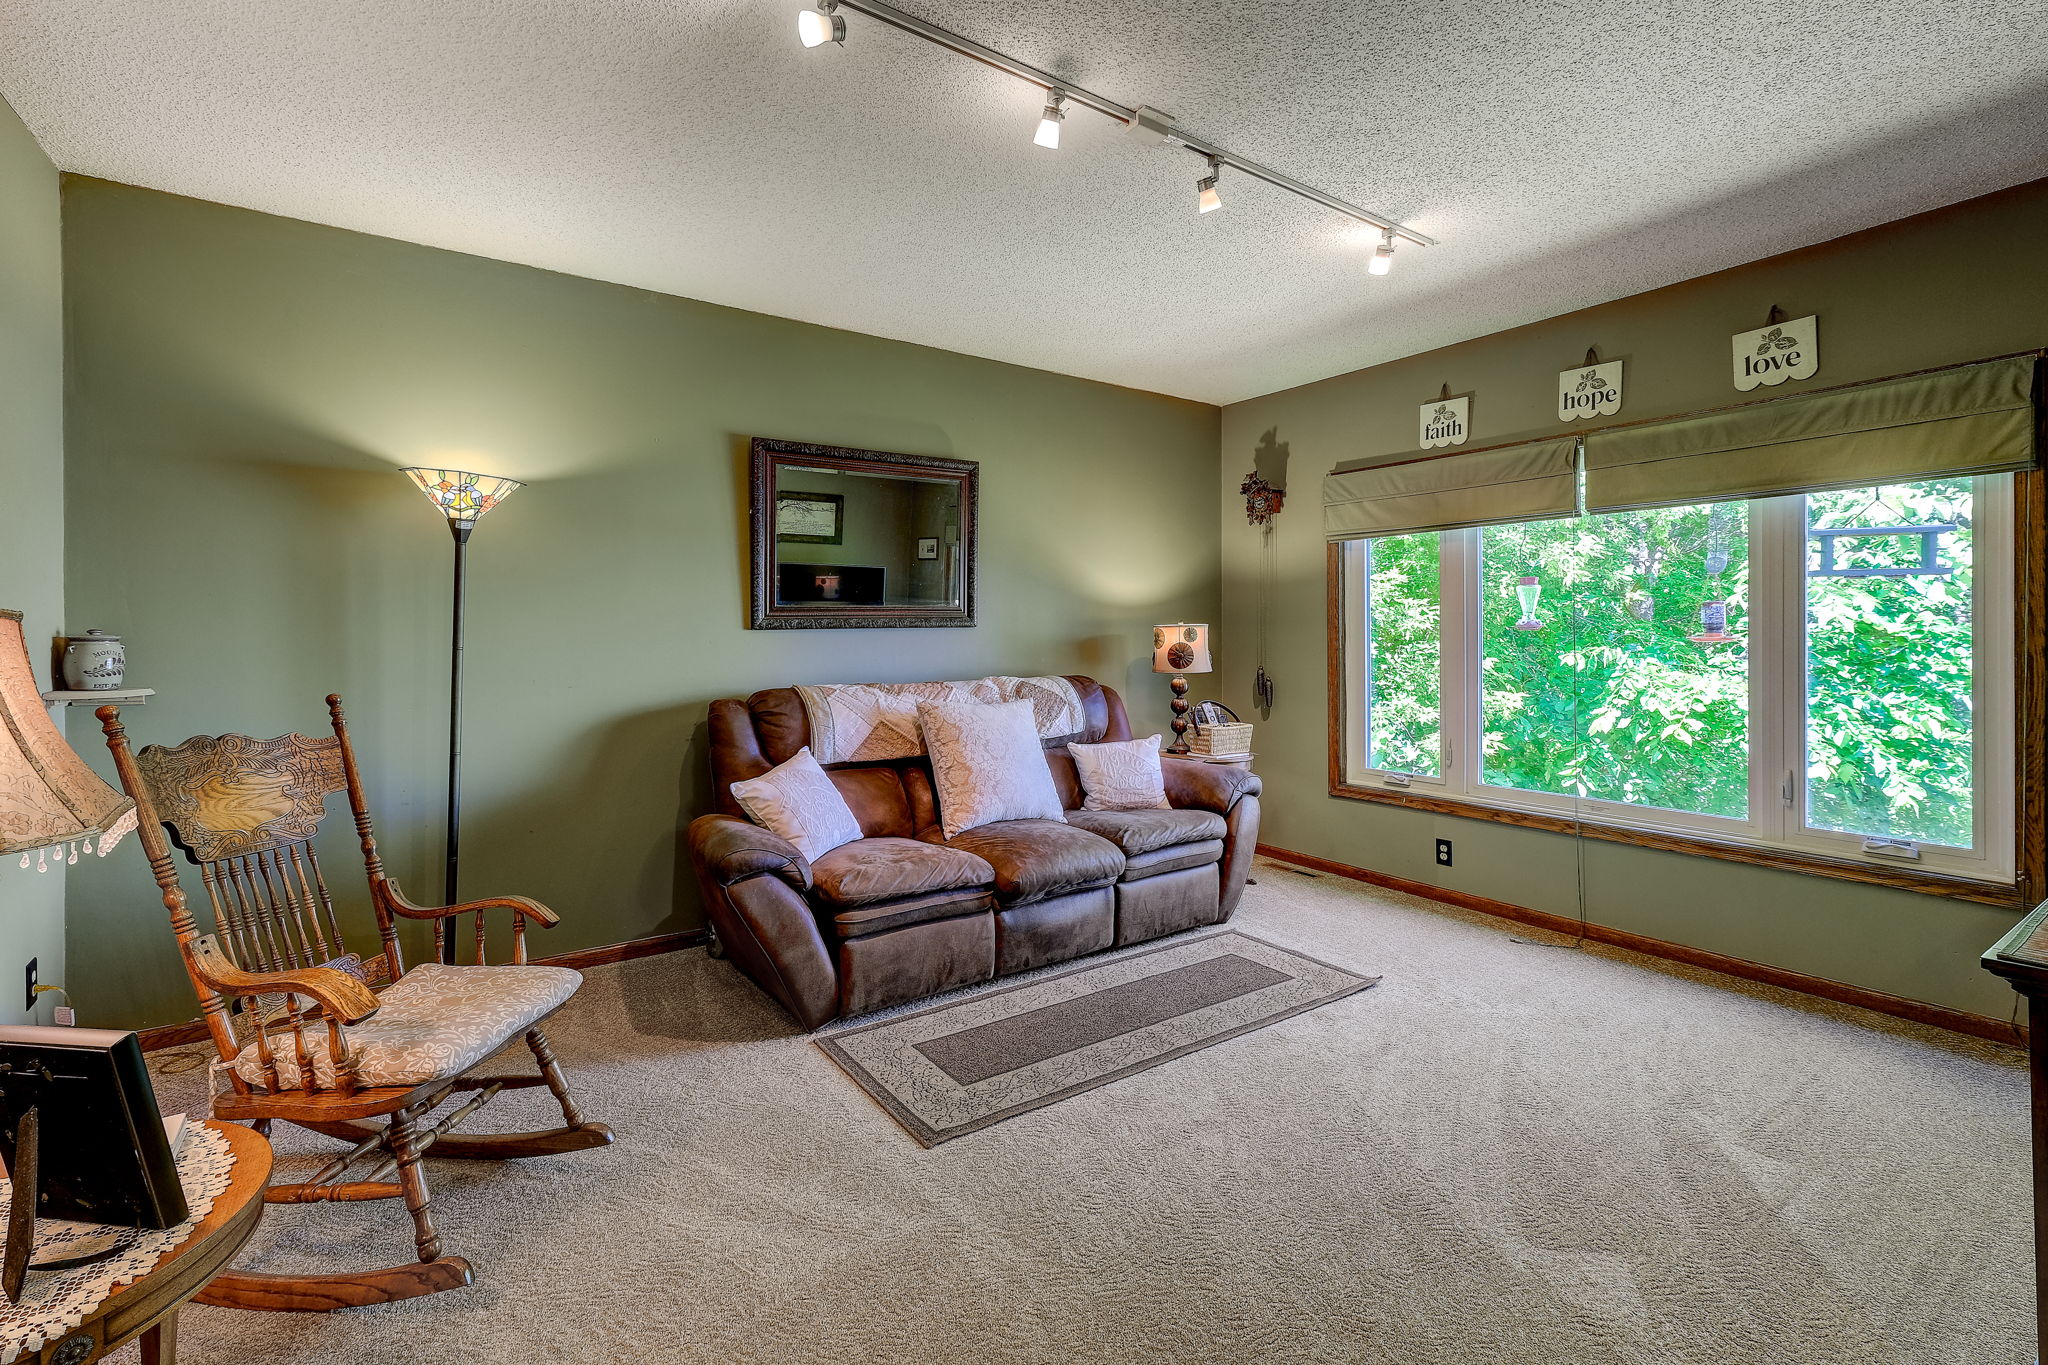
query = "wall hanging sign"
{"x": 1447, "y": 421}
{"x": 1777, "y": 351}
{"x": 1589, "y": 390}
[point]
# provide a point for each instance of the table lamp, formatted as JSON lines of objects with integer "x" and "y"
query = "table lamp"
{"x": 1180, "y": 649}
{"x": 52, "y": 806}
{"x": 463, "y": 498}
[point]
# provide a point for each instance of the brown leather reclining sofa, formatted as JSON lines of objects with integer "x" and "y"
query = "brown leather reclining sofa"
{"x": 905, "y": 913}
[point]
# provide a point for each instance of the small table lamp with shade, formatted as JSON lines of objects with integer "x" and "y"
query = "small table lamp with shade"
{"x": 1180, "y": 648}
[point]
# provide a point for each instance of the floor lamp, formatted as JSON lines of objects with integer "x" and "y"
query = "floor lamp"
{"x": 463, "y": 498}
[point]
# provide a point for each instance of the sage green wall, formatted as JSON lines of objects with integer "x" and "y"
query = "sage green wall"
{"x": 31, "y": 499}
{"x": 243, "y": 390}
{"x": 1959, "y": 284}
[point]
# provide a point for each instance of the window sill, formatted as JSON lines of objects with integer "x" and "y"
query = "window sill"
{"x": 1947, "y": 885}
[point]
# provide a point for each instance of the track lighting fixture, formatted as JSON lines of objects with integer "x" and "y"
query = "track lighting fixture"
{"x": 1049, "y": 121}
{"x": 823, "y": 24}
{"x": 816, "y": 27}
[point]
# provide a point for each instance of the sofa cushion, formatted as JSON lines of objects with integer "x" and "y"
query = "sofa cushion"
{"x": 1172, "y": 858}
{"x": 1141, "y": 831}
{"x": 1034, "y": 859}
{"x": 871, "y": 870}
{"x": 988, "y": 763}
{"x": 433, "y": 1022}
{"x": 1120, "y": 774}
{"x": 797, "y": 801}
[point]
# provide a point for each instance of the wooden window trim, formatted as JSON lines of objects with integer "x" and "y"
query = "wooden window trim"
{"x": 2030, "y": 807}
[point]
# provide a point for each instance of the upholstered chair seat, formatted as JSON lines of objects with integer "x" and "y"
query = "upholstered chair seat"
{"x": 434, "y": 1022}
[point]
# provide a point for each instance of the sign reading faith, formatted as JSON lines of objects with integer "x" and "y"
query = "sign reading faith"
{"x": 1589, "y": 391}
{"x": 1446, "y": 421}
{"x": 1778, "y": 352}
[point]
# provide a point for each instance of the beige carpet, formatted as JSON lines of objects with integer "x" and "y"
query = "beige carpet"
{"x": 1504, "y": 1153}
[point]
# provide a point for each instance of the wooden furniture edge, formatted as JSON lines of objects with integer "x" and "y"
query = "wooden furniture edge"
{"x": 194, "y": 1030}
{"x": 1880, "y": 1002}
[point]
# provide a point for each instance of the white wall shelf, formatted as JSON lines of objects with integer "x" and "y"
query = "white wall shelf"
{"x": 118, "y": 695}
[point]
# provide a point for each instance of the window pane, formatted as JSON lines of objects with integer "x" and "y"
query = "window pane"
{"x": 1890, "y": 746}
{"x": 1628, "y": 679}
{"x": 1403, "y": 655}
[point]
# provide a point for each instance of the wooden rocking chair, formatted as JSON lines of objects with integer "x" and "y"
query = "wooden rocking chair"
{"x": 321, "y": 1037}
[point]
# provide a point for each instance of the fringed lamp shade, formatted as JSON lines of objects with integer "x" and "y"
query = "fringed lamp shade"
{"x": 50, "y": 802}
{"x": 463, "y": 497}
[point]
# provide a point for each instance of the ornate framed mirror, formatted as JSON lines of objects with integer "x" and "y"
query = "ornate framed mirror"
{"x": 848, "y": 538}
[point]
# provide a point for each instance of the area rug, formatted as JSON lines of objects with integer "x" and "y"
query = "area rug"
{"x": 963, "y": 1065}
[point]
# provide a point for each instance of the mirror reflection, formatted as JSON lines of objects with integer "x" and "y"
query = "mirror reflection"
{"x": 852, "y": 537}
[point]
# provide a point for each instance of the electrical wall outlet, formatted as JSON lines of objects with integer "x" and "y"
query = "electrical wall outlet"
{"x": 1443, "y": 853}
{"x": 31, "y": 985}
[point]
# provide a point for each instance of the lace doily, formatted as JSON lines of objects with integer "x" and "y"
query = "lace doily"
{"x": 55, "y": 1301}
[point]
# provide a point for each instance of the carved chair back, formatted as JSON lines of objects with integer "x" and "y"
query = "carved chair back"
{"x": 245, "y": 812}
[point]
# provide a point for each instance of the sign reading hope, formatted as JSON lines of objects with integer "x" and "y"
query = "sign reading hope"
{"x": 1778, "y": 352}
{"x": 1589, "y": 391}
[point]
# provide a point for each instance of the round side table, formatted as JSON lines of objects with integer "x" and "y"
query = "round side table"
{"x": 148, "y": 1307}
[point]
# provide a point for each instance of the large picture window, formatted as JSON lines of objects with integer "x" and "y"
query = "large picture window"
{"x": 1828, "y": 674}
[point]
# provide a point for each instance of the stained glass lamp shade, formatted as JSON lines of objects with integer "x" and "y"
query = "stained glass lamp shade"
{"x": 463, "y": 497}
{"x": 51, "y": 804}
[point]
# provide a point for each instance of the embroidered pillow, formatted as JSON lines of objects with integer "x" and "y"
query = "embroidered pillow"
{"x": 797, "y": 801}
{"x": 1122, "y": 774}
{"x": 988, "y": 764}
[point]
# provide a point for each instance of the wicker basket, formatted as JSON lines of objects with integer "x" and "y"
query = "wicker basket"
{"x": 1222, "y": 741}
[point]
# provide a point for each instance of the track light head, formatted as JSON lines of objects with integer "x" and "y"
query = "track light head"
{"x": 816, "y": 27}
{"x": 1049, "y": 122}
{"x": 1206, "y": 198}
{"x": 1382, "y": 256}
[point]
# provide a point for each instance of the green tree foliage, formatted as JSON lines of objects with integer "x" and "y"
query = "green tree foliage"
{"x": 1890, "y": 744}
{"x": 1616, "y": 697}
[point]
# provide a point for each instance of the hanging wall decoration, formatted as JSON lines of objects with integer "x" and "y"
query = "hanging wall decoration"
{"x": 1447, "y": 421}
{"x": 1777, "y": 351}
{"x": 1265, "y": 491}
{"x": 1589, "y": 390}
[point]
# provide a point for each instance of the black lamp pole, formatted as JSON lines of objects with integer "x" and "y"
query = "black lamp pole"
{"x": 452, "y": 875}
{"x": 463, "y": 498}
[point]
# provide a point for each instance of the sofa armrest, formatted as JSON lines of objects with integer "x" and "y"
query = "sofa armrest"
{"x": 1192, "y": 785}
{"x": 730, "y": 850}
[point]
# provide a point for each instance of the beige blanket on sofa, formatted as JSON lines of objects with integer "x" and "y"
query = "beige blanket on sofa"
{"x": 876, "y": 722}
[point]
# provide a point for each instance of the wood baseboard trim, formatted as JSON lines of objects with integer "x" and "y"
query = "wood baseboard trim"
{"x": 1898, "y": 1006}
{"x": 627, "y": 951}
{"x": 194, "y": 1030}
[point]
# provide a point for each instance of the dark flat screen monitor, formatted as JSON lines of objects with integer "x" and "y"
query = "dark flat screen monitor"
{"x": 103, "y": 1156}
{"x": 857, "y": 584}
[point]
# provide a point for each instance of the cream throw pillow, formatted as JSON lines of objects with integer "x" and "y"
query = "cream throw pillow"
{"x": 987, "y": 763}
{"x": 1122, "y": 774}
{"x": 797, "y": 801}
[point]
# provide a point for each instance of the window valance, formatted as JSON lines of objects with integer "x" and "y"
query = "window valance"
{"x": 1395, "y": 495}
{"x": 1970, "y": 419}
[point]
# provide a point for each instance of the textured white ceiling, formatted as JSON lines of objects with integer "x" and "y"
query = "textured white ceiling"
{"x": 1565, "y": 151}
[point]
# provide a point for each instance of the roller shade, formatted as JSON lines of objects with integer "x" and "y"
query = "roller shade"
{"x": 1397, "y": 494}
{"x": 1973, "y": 419}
